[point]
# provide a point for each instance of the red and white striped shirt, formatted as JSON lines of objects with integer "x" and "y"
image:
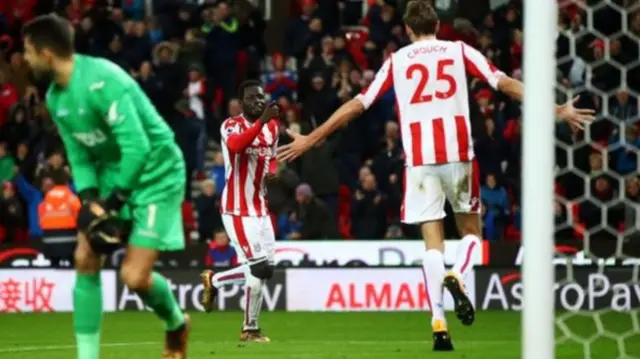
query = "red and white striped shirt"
{"x": 249, "y": 151}
{"x": 430, "y": 82}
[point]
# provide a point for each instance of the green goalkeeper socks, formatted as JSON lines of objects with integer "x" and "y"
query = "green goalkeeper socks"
{"x": 163, "y": 303}
{"x": 87, "y": 315}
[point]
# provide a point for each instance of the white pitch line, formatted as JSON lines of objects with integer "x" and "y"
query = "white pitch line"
{"x": 213, "y": 343}
{"x": 70, "y": 346}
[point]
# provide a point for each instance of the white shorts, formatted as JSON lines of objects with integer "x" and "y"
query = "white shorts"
{"x": 253, "y": 237}
{"x": 427, "y": 187}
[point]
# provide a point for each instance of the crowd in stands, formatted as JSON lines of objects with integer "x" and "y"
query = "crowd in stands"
{"x": 189, "y": 59}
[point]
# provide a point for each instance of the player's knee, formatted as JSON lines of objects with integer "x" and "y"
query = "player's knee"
{"x": 135, "y": 279}
{"x": 468, "y": 224}
{"x": 262, "y": 270}
{"x": 85, "y": 260}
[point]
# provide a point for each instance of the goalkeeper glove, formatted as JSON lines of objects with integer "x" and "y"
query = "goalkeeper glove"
{"x": 98, "y": 220}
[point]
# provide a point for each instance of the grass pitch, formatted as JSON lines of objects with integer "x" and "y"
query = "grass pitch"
{"x": 131, "y": 335}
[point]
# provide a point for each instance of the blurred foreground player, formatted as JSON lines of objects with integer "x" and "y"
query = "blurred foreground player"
{"x": 249, "y": 144}
{"x": 430, "y": 81}
{"x": 125, "y": 164}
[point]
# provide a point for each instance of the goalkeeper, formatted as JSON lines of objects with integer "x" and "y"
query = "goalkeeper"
{"x": 125, "y": 165}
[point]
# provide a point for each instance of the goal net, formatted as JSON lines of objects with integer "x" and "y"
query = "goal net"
{"x": 597, "y": 181}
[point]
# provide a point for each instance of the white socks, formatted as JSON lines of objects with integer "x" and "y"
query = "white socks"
{"x": 252, "y": 302}
{"x": 236, "y": 275}
{"x": 433, "y": 270}
{"x": 241, "y": 275}
{"x": 467, "y": 247}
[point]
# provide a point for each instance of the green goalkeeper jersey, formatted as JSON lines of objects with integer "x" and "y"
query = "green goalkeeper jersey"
{"x": 113, "y": 135}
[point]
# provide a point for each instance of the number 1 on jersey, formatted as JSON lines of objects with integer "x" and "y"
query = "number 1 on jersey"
{"x": 421, "y": 70}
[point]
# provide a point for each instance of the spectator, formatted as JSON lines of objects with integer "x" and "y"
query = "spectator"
{"x": 195, "y": 93}
{"x": 298, "y": 34}
{"x": 17, "y": 129}
{"x": 317, "y": 221}
{"x": 340, "y": 52}
{"x": 389, "y": 161}
{"x": 221, "y": 253}
{"x": 156, "y": 34}
{"x": 222, "y": 49}
{"x": 624, "y": 110}
{"x": 624, "y": 151}
{"x": 288, "y": 226}
{"x": 86, "y": 39}
{"x": 8, "y": 98}
{"x": 54, "y": 168}
{"x": 208, "y": 208}
{"x": 320, "y": 103}
{"x": 235, "y": 107}
{"x": 491, "y": 149}
{"x": 171, "y": 78}
{"x": 18, "y": 75}
{"x": 320, "y": 64}
{"x": 218, "y": 173}
{"x": 57, "y": 213}
{"x": 318, "y": 169}
{"x": 281, "y": 82}
{"x": 368, "y": 210}
{"x": 192, "y": 51}
{"x": 116, "y": 54}
{"x": 496, "y": 199}
{"x": 6, "y": 163}
{"x": 281, "y": 191}
{"x": 150, "y": 83}
{"x": 33, "y": 197}
{"x": 11, "y": 212}
{"x": 138, "y": 45}
{"x": 489, "y": 225}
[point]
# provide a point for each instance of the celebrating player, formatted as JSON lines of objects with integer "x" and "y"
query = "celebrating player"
{"x": 249, "y": 147}
{"x": 125, "y": 164}
{"x": 430, "y": 81}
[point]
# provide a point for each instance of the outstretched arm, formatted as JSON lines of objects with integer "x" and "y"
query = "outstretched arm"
{"x": 477, "y": 65}
{"x": 382, "y": 83}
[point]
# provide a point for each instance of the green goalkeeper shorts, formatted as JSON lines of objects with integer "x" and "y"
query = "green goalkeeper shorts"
{"x": 157, "y": 221}
{"x": 158, "y": 225}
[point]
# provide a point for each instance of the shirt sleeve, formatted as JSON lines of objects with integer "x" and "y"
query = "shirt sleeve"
{"x": 82, "y": 166}
{"x": 477, "y": 65}
{"x": 237, "y": 139}
{"x": 116, "y": 105}
{"x": 382, "y": 83}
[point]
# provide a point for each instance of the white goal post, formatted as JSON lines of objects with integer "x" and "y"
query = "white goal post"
{"x": 540, "y": 28}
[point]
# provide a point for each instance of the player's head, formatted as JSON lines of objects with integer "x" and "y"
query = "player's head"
{"x": 47, "y": 39}
{"x": 253, "y": 99}
{"x": 420, "y": 19}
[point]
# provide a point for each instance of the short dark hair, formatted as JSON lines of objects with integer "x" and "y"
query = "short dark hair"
{"x": 246, "y": 84}
{"x": 51, "y": 32}
{"x": 421, "y": 17}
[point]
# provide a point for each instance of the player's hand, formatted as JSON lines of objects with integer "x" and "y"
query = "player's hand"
{"x": 295, "y": 149}
{"x": 575, "y": 117}
{"x": 272, "y": 110}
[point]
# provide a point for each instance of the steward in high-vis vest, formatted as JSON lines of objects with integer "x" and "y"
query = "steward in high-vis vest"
{"x": 58, "y": 212}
